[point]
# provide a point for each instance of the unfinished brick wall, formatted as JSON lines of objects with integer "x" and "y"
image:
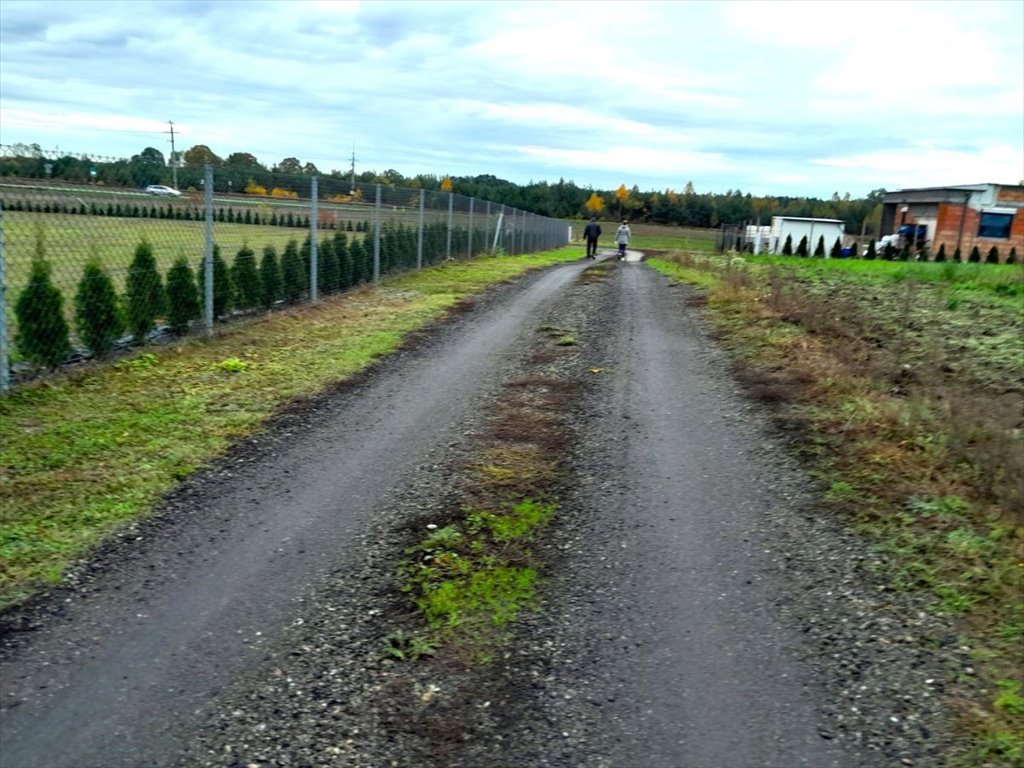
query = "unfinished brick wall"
{"x": 947, "y": 230}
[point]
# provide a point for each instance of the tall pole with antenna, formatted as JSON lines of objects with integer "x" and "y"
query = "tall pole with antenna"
{"x": 174, "y": 156}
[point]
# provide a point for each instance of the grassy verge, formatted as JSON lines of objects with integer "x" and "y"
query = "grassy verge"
{"x": 917, "y": 447}
{"x": 86, "y": 453}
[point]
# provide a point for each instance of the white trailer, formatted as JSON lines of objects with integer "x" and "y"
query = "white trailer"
{"x": 797, "y": 228}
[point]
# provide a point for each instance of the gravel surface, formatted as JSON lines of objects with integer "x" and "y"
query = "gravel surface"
{"x": 697, "y": 611}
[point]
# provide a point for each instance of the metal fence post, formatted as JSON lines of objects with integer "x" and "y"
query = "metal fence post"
{"x": 448, "y": 247}
{"x": 314, "y": 225}
{"x": 5, "y": 370}
{"x": 419, "y": 236}
{"x": 469, "y": 246}
{"x": 208, "y": 251}
{"x": 376, "y": 237}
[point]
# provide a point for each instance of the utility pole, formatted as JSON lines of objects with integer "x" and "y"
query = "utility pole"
{"x": 174, "y": 156}
{"x": 352, "y": 178}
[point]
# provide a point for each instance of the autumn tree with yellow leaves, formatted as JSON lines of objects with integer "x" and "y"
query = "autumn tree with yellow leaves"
{"x": 594, "y": 204}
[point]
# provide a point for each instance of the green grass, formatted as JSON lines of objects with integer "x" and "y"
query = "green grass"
{"x": 466, "y": 576}
{"x": 84, "y": 454}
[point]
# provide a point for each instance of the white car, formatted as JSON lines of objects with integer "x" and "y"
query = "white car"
{"x": 160, "y": 189}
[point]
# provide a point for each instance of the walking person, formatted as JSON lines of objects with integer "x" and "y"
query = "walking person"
{"x": 622, "y": 236}
{"x": 590, "y": 233}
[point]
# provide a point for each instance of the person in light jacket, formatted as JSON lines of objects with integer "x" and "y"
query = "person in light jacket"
{"x": 622, "y": 235}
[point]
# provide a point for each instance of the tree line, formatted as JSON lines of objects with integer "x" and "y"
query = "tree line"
{"x": 562, "y": 199}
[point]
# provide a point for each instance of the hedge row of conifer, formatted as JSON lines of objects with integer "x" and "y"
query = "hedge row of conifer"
{"x": 891, "y": 253}
{"x": 102, "y": 317}
{"x": 179, "y": 213}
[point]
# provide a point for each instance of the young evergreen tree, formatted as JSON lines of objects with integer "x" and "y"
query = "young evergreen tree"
{"x": 328, "y": 277}
{"x": 184, "y": 304}
{"x": 387, "y": 250}
{"x": 956, "y": 255}
{"x": 940, "y": 255}
{"x": 246, "y": 277}
{"x": 993, "y": 256}
{"x": 975, "y": 256}
{"x": 819, "y": 249}
{"x": 787, "y": 248}
{"x": 342, "y": 256}
{"x": 270, "y": 277}
{"x": 905, "y": 252}
{"x": 801, "y": 249}
{"x": 872, "y": 252}
{"x": 145, "y": 292}
{"x": 222, "y": 288}
{"x": 837, "y": 249}
{"x": 42, "y": 330}
{"x": 292, "y": 274}
{"x": 306, "y": 252}
{"x": 357, "y": 257}
{"x": 407, "y": 247}
{"x": 888, "y": 252}
{"x": 97, "y": 311}
{"x": 1012, "y": 258}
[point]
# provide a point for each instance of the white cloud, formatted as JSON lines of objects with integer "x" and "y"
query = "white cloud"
{"x": 729, "y": 94}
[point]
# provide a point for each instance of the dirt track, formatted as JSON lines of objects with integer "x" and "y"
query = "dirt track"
{"x": 696, "y": 613}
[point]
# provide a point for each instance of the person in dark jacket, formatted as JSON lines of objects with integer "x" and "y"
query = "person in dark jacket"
{"x": 590, "y": 233}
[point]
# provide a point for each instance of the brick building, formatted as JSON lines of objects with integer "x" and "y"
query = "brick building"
{"x": 982, "y": 215}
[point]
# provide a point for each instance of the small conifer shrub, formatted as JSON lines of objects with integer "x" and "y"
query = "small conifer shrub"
{"x": 270, "y": 277}
{"x": 246, "y": 277}
{"x": 182, "y": 295}
{"x": 145, "y": 292}
{"x": 43, "y": 334}
{"x": 98, "y": 318}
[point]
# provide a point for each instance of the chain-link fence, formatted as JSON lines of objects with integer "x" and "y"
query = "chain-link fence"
{"x": 98, "y": 254}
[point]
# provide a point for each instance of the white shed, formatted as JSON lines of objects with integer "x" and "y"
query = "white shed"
{"x": 797, "y": 228}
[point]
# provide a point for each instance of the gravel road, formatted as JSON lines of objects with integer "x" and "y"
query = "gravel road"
{"x": 696, "y": 613}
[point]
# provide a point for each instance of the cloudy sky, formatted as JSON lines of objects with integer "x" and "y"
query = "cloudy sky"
{"x": 799, "y": 98}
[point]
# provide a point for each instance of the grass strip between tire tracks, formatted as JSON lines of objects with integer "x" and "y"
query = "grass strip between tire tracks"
{"x": 86, "y": 453}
